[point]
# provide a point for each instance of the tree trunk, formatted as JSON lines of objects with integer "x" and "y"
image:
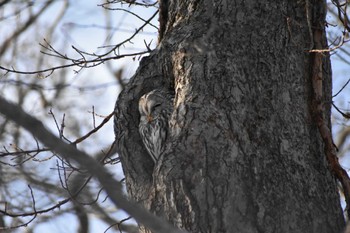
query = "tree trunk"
{"x": 245, "y": 154}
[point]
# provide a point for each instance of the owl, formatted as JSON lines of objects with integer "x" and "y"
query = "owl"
{"x": 155, "y": 109}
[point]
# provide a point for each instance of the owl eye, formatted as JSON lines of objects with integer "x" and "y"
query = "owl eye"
{"x": 154, "y": 106}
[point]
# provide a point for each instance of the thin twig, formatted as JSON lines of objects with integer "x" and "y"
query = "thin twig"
{"x": 341, "y": 89}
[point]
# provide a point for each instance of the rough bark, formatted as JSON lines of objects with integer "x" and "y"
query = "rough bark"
{"x": 245, "y": 154}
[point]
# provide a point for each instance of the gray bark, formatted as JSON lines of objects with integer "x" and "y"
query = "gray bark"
{"x": 245, "y": 154}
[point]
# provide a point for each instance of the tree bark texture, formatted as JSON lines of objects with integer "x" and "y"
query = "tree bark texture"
{"x": 245, "y": 154}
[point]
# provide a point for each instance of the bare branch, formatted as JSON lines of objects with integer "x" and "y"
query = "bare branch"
{"x": 95, "y": 129}
{"x": 93, "y": 62}
{"x": 111, "y": 186}
{"x": 30, "y": 21}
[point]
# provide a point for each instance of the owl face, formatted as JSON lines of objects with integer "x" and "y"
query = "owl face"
{"x": 151, "y": 105}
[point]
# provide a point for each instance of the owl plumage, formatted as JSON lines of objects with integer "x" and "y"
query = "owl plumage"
{"x": 155, "y": 109}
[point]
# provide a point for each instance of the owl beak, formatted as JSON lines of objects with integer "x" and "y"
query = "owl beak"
{"x": 149, "y": 118}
